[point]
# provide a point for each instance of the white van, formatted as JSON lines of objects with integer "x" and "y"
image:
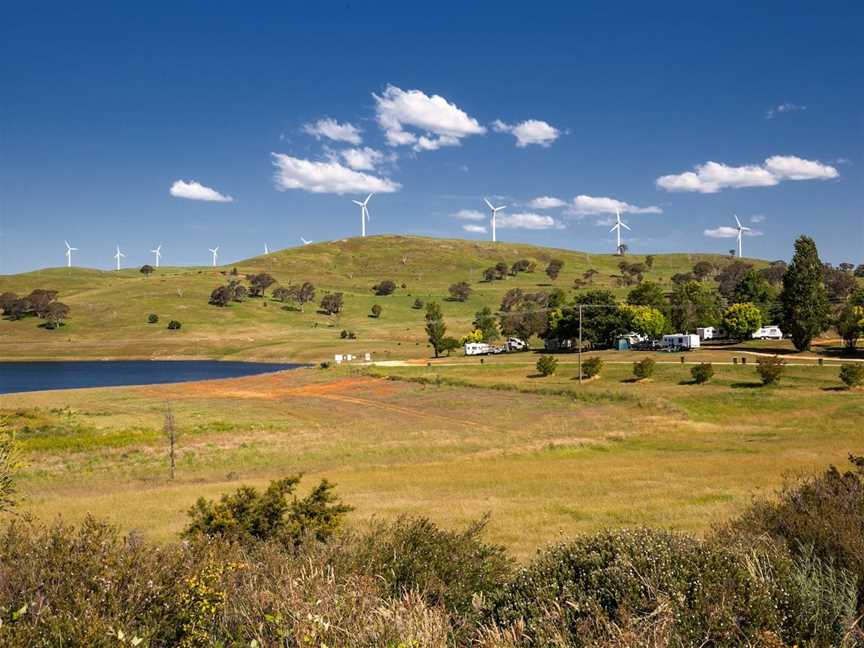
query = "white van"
{"x": 768, "y": 333}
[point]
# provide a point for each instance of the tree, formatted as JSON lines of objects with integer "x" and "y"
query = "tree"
{"x": 859, "y": 270}
{"x": 755, "y": 289}
{"x": 500, "y": 270}
{"x": 521, "y": 265}
{"x": 730, "y": 276}
{"x": 40, "y": 300}
{"x": 259, "y": 283}
{"x": 804, "y": 303}
{"x": 152, "y": 318}
{"x": 485, "y": 322}
{"x": 694, "y": 304}
{"x": 174, "y": 325}
{"x": 384, "y": 288}
{"x": 460, "y": 291}
{"x": 773, "y": 274}
{"x": 249, "y": 516}
{"x": 646, "y": 320}
{"x": 852, "y": 374}
{"x": 602, "y": 319}
{"x": 702, "y": 373}
{"x": 6, "y": 300}
{"x": 303, "y": 294}
{"x": 489, "y": 275}
{"x": 147, "y": 270}
{"x": 237, "y": 290}
{"x": 332, "y": 303}
{"x": 19, "y": 309}
{"x": 376, "y": 311}
{"x": 649, "y": 261}
{"x": 644, "y": 368}
{"x": 546, "y": 365}
{"x": 589, "y": 275}
{"x": 418, "y": 304}
{"x": 221, "y": 296}
{"x": 554, "y": 268}
{"x": 449, "y": 344}
{"x": 435, "y": 327}
{"x": 703, "y": 269}
{"x": 742, "y": 320}
{"x": 680, "y": 278}
{"x": 524, "y": 314}
{"x": 592, "y": 367}
{"x": 648, "y": 293}
{"x": 838, "y": 284}
{"x": 281, "y": 293}
{"x": 474, "y": 336}
{"x": 850, "y": 320}
{"x": 55, "y": 313}
{"x": 770, "y": 369}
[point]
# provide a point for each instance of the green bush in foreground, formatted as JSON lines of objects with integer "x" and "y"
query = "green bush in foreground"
{"x": 592, "y": 367}
{"x": 852, "y": 374}
{"x": 546, "y": 365}
{"x": 643, "y": 368}
{"x": 770, "y": 369}
{"x": 702, "y": 373}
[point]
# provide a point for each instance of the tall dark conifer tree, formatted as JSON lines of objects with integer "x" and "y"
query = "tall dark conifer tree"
{"x": 804, "y": 301}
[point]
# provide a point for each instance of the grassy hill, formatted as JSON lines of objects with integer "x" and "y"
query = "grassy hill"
{"x": 109, "y": 309}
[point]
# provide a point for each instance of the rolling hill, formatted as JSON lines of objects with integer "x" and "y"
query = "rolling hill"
{"x": 110, "y": 309}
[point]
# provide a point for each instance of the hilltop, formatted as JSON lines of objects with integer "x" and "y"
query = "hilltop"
{"x": 110, "y": 308}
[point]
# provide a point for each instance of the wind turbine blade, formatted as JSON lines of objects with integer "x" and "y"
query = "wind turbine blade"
{"x": 497, "y": 209}
{"x": 614, "y": 227}
{"x": 625, "y": 226}
{"x": 486, "y": 200}
{"x": 367, "y": 198}
{"x": 737, "y": 221}
{"x": 357, "y": 202}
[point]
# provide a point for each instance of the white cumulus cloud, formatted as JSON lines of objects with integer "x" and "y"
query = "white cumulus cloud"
{"x": 476, "y": 229}
{"x": 196, "y": 191}
{"x": 439, "y": 122}
{"x": 530, "y": 131}
{"x": 326, "y": 177}
{"x": 526, "y": 220}
{"x": 469, "y": 214}
{"x": 729, "y": 232}
{"x": 783, "y": 108}
{"x": 583, "y": 205}
{"x": 363, "y": 159}
{"x": 333, "y": 130}
{"x": 711, "y": 177}
{"x": 546, "y": 202}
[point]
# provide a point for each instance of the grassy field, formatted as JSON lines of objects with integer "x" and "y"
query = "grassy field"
{"x": 110, "y": 309}
{"x": 545, "y": 456}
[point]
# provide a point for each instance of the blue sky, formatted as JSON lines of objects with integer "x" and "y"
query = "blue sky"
{"x": 105, "y": 108}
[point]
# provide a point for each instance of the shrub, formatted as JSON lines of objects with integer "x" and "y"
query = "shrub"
{"x": 376, "y": 311}
{"x": 702, "y": 373}
{"x": 332, "y": 303}
{"x": 221, "y": 296}
{"x": 643, "y": 368}
{"x": 770, "y": 369}
{"x": 174, "y": 325}
{"x": 248, "y": 515}
{"x": 325, "y": 364}
{"x": 152, "y": 318}
{"x": 418, "y": 304}
{"x": 852, "y": 374}
{"x": 592, "y": 367}
{"x": 348, "y": 335}
{"x": 460, "y": 291}
{"x": 546, "y": 365}
{"x": 384, "y": 288}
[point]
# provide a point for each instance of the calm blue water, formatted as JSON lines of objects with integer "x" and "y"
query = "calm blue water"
{"x": 36, "y": 376}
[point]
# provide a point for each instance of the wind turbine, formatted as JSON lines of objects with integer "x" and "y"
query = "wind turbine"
{"x": 215, "y": 253}
{"x": 69, "y": 251}
{"x": 494, "y": 211}
{"x": 266, "y": 249}
{"x": 364, "y": 213}
{"x": 305, "y": 242}
{"x": 617, "y": 228}
{"x": 118, "y": 255}
{"x": 741, "y": 230}
{"x": 158, "y": 252}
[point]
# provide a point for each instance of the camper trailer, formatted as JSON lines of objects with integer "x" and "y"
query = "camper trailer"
{"x": 477, "y": 348}
{"x": 710, "y": 333}
{"x": 683, "y": 341}
{"x": 768, "y": 333}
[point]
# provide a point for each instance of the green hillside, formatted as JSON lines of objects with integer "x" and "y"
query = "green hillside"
{"x": 109, "y": 309}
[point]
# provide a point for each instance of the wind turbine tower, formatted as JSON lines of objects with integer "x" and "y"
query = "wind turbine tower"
{"x": 266, "y": 249}
{"x": 69, "y": 251}
{"x": 158, "y": 252}
{"x": 364, "y": 213}
{"x": 617, "y": 229}
{"x": 118, "y": 255}
{"x": 741, "y": 230}
{"x": 494, "y": 211}
{"x": 215, "y": 253}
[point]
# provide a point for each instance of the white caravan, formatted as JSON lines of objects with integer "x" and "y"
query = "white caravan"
{"x": 710, "y": 333}
{"x": 681, "y": 341}
{"x": 477, "y": 348}
{"x": 768, "y": 333}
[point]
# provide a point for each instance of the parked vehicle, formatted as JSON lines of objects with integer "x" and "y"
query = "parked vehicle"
{"x": 477, "y": 348}
{"x": 710, "y": 333}
{"x": 768, "y": 333}
{"x": 516, "y": 344}
{"x": 684, "y": 341}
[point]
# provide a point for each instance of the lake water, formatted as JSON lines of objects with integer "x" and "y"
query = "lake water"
{"x": 36, "y": 376}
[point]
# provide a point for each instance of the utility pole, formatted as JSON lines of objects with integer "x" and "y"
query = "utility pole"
{"x": 171, "y": 433}
{"x": 580, "y": 344}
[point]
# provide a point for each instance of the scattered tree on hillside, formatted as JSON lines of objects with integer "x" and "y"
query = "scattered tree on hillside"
{"x": 40, "y": 299}
{"x": 384, "y": 288}
{"x": 418, "y": 304}
{"x": 152, "y": 318}
{"x": 742, "y": 320}
{"x": 681, "y": 278}
{"x": 489, "y": 275}
{"x": 281, "y": 294}
{"x": 730, "y": 276}
{"x": 702, "y": 270}
{"x": 632, "y": 273}
{"x": 649, "y": 261}
{"x": 522, "y": 265}
{"x": 332, "y": 303}
{"x": 694, "y": 304}
{"x": 804, "y": 301}
{"x": 259, "y": 283}
{"x": 485, "y": 322}
{"x": 6, "y": 300}
{"x": 238, "y": 291}
{"x": 460, "y": 291}
{"x": 376, "y": 311}
{"x": 147, "y": 270}
{"x": 435, "y": 327}
{"x": 174, "y": 325}
{"x": 838, "y": 283}
{"x": 501, "y": 270}
{"x": 554, "y": 268}
{"x": 55, "y": 313}
{"x": 221, "y": 296}
{"x": 589, "y": 275}
{"x": 773, "y": 274}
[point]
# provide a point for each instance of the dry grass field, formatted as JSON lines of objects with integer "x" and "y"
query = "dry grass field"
{"x": 544, "y": 455}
